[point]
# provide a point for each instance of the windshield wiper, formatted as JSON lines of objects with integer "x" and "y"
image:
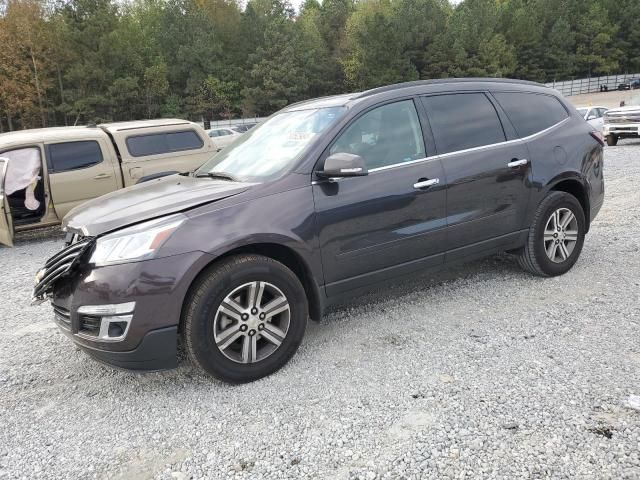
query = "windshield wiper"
{"x": 223, "y": 175}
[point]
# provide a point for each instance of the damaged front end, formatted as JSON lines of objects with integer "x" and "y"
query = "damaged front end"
{"x": 61, "y": 265}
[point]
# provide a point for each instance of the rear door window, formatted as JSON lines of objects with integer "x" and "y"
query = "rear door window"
{"x": 159, "y": 143}
{"x": 531, "y": 113}
{"x": 463, "y": 120}
{"x": 63, "y": 157}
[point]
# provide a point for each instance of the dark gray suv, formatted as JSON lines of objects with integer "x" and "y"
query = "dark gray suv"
{"x": 324, "y": 199}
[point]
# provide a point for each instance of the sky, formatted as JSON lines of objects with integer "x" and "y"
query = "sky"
{"x": 297, "y": 3}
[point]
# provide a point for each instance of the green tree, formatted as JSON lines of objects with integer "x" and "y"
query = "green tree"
{"x": 375, "y": 53}
{"x": 323, "y": 71}
{"x": 216, "y": 99}
{"x": 277, "y": 75}
{"x": 625, "y": 15}
{"x": 74, "y": 61}
{"x": 24, "y": 63}
{"x": 156, "y": 87}
{"x": 124, "y": 98}
{"x": 89, "y": 24}
{"x": 596, "y": 51}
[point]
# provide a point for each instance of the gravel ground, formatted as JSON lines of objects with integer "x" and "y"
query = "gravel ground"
{"x": 485, "y": 372}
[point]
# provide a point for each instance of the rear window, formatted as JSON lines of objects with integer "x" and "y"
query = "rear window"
{"x": 67, "y": 156}
{"x": 461, "y": 121}
{"x": 531, "y": 112}
{"x": 158, "y": 143}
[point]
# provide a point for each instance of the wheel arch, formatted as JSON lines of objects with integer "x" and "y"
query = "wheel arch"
{"x": 281, "y": 253}
{"x": 576, "y": 187}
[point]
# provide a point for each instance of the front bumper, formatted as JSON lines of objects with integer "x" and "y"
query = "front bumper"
{"x": 158, "y": 288}
{"x": 622, "y": 129}
{"x": 156, "y": 351}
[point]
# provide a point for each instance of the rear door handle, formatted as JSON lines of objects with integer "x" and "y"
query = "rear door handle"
{"x": 517, "y": 163}
{"x": 426, "y": 183}
{"x": 100, "y": 176}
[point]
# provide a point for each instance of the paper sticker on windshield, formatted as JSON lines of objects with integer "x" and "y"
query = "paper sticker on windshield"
{"x": 300, "y": 136}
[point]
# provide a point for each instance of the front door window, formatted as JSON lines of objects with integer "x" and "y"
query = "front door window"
{"x": 384, "y": 136}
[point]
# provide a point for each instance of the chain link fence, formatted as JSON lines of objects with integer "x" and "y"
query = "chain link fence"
{"x": 592, "y": 84}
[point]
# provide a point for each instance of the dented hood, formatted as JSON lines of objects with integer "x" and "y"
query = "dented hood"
{"x": 148, "y": 200}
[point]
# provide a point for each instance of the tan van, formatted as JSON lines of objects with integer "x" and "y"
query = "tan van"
{"x": 46, "y": 172}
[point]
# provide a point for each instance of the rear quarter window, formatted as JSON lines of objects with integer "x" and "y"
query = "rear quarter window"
{"x": 531, "y": 113}
{"x": 166, "y": 142}
{"x": 63, "y": 157}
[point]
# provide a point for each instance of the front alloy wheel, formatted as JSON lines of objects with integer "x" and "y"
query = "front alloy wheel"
{"x": 244, "y": 318}
{"x": 252, "y": 322}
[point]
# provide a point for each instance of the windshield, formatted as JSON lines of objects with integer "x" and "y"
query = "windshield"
{"x": 273, "y": 146}
{"x": 582, "y": 111}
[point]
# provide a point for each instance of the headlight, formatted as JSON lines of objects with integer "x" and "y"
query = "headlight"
{"x": 135, "y": 243}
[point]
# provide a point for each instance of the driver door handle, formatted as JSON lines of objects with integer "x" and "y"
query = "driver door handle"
{"x": 426, "y": 183}
{"x": 100, "y": 176}
{"x": 517, "y": 163}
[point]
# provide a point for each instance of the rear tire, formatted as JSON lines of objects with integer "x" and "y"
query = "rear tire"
{"x": 230, "y": 330}
{"x": 612, "y": 140}
{"x": 555, "y": 237}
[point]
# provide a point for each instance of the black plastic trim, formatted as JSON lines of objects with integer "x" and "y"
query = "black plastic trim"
{"x": 153, "y": 176}
{"x": 158, "y": 350}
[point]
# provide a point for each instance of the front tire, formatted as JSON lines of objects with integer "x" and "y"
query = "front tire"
{"x": 556, "y": 236}
{"x": 244, "y": 318}
{"x": 612, "y": 140}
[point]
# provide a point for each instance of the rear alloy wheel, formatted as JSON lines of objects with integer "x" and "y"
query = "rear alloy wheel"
{"x": 244, "y": 318}
{"x": 560, "y": 235}
{"x": 555, "y": 237}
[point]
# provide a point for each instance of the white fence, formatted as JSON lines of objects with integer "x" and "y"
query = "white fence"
{"x": 233, "y": 122}
{"x": 236, "y": 121}
{"x": 592, "y": 84}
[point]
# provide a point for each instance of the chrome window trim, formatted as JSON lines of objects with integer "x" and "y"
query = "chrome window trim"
{"x": 458, "y": 152}
{"x": 411, "y": 162}
{"x": 473, "y": 149}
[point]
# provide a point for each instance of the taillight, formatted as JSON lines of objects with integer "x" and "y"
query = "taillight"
{"x": 597, "y": 135}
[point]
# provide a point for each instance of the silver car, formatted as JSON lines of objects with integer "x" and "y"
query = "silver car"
{"x": 223, "y": 136}
{"x": 593, "y": 116}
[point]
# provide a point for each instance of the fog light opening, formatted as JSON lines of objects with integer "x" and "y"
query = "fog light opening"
{"x": 114, "y": 329}
{"x": 104, "y": 327}
{"x": 117, "y": 329}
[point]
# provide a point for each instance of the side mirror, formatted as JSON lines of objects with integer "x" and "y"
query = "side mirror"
{"x": 591, "y": 117}
{"x": 343, "y": 165}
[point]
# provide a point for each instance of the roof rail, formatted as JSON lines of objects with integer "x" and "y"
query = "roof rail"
{"x": 418, "y": 83}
